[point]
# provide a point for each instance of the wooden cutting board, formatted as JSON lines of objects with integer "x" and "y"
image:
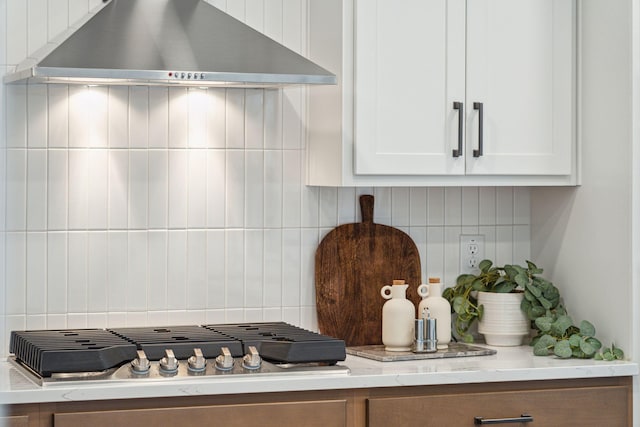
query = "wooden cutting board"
{"x": 353, "y": 263}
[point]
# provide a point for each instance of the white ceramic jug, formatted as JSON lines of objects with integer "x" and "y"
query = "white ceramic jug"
{"x": 439, "y": 308}
{"x": 398, "y": 315}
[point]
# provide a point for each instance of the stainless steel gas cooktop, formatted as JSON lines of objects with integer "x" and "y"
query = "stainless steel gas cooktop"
{"x": 178, "y": 352}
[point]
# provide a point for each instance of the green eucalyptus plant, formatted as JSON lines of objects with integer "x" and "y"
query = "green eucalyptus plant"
{"x": 555, "y": 330}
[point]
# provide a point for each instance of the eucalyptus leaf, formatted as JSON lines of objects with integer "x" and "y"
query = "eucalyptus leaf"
{"x": 587, "y": 329}
{"x": 534, "y": 290}
{"x": 545, "y": 303}
{"x": 562, "y": 349}
{"x": 522, "y": 279}
{"x": 535, "y": 311}
{"x": 544, "y": 344}
{"x": 587, "y": 348}
{"x": 528, "y": 296}
{"x": 575, "y": 340}
{"x": 485, "y": 265}
{"x": 617, "y": 352}
{"x": 544, "y": 323}
{"x": 504, "y": 287}
{"x": 595, "y": 343}
{"x": 598, "y": 356}
{"x": 560, "y": 326}
{"x": 458, "y": 304}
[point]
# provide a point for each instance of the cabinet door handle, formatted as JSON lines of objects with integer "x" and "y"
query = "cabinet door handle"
{"x": 478, "y": 106}
{"x": 524, "y": 418}
{"x": 460, "y": 107}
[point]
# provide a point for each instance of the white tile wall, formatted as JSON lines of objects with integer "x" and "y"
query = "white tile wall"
{"x": 134, "y": 205}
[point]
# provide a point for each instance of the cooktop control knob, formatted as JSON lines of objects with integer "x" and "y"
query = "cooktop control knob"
{"x": 197, "y": 362}
{"x": 140, "y": 365}
{"x": 252, "y": 359}
{"x": 169, "y": 363}
{"x": 224, "y": 362}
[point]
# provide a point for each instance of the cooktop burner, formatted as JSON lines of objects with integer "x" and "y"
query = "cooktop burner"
{"x": 161, "y": 352}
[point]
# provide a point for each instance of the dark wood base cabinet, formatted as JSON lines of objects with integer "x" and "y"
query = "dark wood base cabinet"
{"x": 582, "y": 402}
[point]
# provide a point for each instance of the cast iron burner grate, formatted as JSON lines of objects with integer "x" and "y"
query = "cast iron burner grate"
{"x": 75, "y": 350}
{"x": 285, "y": 343}
{"x": 181, "y": 339}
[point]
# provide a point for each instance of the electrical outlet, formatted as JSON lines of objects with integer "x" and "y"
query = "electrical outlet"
{"x": 471, "y": 253}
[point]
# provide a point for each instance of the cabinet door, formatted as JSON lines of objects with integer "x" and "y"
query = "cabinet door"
{"x": 520, "y": 67}
{"x": 409, "y": 70}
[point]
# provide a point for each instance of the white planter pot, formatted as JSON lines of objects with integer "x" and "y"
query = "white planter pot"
{"x": 503, "y": 323}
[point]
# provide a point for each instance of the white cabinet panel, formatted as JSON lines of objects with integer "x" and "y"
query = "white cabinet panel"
{"x": 518, "y": 66}
{"x": 409, "y": 76}
{"x": 409, "y": 64}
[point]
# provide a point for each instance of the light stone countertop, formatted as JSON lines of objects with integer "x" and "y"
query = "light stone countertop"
{"x": 509, "y": 364}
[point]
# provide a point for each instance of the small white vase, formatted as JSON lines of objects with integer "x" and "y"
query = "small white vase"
{"x": 503, "y": 322}
{"x": 398, "y": 315}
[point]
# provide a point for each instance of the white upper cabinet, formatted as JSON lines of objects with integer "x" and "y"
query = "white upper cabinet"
{"x": 443, "y": 92}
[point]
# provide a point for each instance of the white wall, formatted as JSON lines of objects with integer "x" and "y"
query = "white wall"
{"x": 136, "y": 206}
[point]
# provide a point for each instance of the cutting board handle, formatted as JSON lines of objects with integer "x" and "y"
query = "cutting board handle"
{"x": 366, "y": 207}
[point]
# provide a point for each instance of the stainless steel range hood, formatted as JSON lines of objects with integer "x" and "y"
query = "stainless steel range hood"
{"x": 168, "y": 42}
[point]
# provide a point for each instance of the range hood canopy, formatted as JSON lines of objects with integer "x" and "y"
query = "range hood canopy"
{"x": 168, "y": 42}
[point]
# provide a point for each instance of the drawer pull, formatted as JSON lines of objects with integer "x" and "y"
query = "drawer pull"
{"x": 524, "y": 418}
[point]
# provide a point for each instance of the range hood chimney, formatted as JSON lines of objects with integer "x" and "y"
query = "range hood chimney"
{"x": 167, "y": 43}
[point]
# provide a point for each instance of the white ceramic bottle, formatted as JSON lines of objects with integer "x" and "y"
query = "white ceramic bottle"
{"x": 398, "y": 315}
{"x": 439, "y": 308}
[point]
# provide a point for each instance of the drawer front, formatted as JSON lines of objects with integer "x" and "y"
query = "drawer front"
{"x": 312, "y": 413}
{"x": 584, "y": 407}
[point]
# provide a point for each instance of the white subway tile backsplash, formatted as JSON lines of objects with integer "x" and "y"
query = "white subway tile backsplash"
{"x": 80, "y": 99}
{"x": 504, "y": 205}
{"x": 36, "y": 189}
{"x": 273, "y": 265}
{"x": 98, "y": 189}
{"x": 16, "y": 193}
{"x": 216, "y": 185}
{"x": 197, "y": 189}
{"x": 216, "y": 118}
{"x": 216, "y": 265}
{"x": 118, "y": 189}
{"x": 97, "y": 272}
{"x": 177, "y": 270}
{"x": 196, "y": 269}
{"x": 16, "y": 116}
{"x": 78, "y": 189}
{"x": 58, "y": 114}
{"x": 36, "y": 25}
{"x": 158, "y": 188}
{"x": 254, "y": 268}
{"x": 36, "y": 280}
{"x": 138, "y": 117}
{"x": 235, "y": 189}
{"x": 235, "y": 123}
{"x": 138, "y": 271}
{"x": 98, "y": 100}
{"x": 117, "y": 265}
{"x": 77, "y": 291}
{"x": 138, "y": 189}
{"x": 234, "y": 268}
{"x": 16, "y": 27}
{"x": 118, "y": 122}
{"x": 128, "y": 206}
{"x": 58, "y": 17}
{"x": 254, "y": 101}
{"x": 292, "y": 114}
{"x": 157, "y": 291}
{"x": 158, "y": 117}
{"x": 37, "y": 113}
{"x": 254, "y": 189}
{"x": 178, "y": 182}
{"x": 291, "y": 266}
{"x": 291, "y": 188}
{"x": 400, "y": 207}
{"x": 198, "y": 103}
{"x": 272, "y": 188}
